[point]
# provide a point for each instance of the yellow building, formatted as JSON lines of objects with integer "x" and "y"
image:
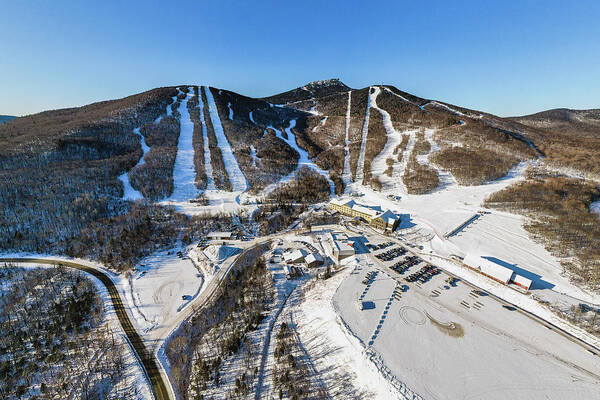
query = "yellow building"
{"x": 374, "y": 216}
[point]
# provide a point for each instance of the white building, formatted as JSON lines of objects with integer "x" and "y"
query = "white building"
{"x": 313, "y": 260}
{"x": 294, "y": 257}
{"x": 220, "y": 235}
{"x": 496, "y": 272}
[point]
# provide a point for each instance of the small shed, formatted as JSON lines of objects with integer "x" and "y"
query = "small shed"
{"x": 522, "y": 281}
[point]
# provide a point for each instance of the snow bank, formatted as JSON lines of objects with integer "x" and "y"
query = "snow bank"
{"x": 236, "y": 176}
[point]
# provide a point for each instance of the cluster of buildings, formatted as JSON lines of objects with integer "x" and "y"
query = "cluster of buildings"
{"x": 496, "y": 271}
{"x": 384, "y": 220}
{"x": 342, "y": 247}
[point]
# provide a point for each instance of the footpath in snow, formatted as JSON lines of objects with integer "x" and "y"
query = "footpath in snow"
{"x": 303, "y": 161}
{"x": 129, "y": 193}
{"x": 236, "y": 176}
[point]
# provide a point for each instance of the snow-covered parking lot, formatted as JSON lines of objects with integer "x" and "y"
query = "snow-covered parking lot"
{"x": 448, "y": 342}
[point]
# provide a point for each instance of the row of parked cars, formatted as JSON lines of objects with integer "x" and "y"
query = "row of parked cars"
{"x": 391, "y": 254}
{"x": 403, "y": 265}
{"x": 423, "y": 275}
{"x": 379, "y": 246}
{"x": 370, "y": 277}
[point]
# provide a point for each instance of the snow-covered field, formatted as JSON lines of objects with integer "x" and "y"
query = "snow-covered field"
{"x": 412, "y": 336}
{"x": 162, "y": 285}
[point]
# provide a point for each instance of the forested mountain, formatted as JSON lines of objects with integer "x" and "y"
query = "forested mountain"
{"x": 61, "y": 178}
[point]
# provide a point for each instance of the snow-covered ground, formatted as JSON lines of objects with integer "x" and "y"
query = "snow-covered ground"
{"x": 411, "y": 335}
{"x": 162, "y": 285}
{"x": 129, "y": 193}
{"x": 359, "y": 176}
{"x": 184, "y": 171}
{"x": 499, "y": 235}
{"x": 253, "y": 155}
{"x": 236, "y": 176}
{"x": 303, "y": 161}
{"x": 336, "y": 353}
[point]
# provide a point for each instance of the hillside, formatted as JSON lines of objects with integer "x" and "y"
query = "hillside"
{"x": 6, "y": 118}
{"x": 67, "y": 173}
{"x": 571, "y": 122}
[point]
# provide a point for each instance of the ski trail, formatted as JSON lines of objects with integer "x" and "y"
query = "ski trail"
{"x": 251, "y": 117}
{"x": 253, "y": 155}
{"x": 184, "y": 171}
{"x": 210, "y": 181}
{"x": 347, "y": 175}
{"x": 405, "y": 99}
{"x": 129, "y": 193}
{"x": 446, "y": 178}
{"x": 363, "y": 145}
{"x": 453, "y": 111}
{"x": 379, "y": 164}
{"x": 320, "y": 124}
{"x": 236, "y": 176}
{"x": 303, "y": 161}
{"x": 405, "y": 155}
{"x": 230, "y": 111}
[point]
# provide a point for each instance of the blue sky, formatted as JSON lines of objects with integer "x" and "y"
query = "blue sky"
{"x": 504, "y": 57}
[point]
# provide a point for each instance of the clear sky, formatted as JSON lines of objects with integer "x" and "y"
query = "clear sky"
{"x": 504, "y": 57}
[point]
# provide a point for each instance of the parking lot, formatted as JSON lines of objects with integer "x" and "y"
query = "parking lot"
{"x": 437, "y": 335}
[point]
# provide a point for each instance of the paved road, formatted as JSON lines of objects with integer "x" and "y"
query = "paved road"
{"x": 148, "y": 362}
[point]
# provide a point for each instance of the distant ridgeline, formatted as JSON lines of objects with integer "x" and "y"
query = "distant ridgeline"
{"x": 6, "y": 118}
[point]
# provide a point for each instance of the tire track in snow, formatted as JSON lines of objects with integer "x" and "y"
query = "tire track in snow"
{"x": 359, "y": 176}
{"x": 236, "y": 176}
{"x": 184, "y": 170}
{"x": 347, "y": 175}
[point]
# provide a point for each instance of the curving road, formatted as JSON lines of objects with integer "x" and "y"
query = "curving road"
{"x": 146, "y": 358}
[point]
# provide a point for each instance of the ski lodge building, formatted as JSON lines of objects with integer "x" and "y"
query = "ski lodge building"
{"x": 374, "y": 216}
{"x": 496, "y": 272}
